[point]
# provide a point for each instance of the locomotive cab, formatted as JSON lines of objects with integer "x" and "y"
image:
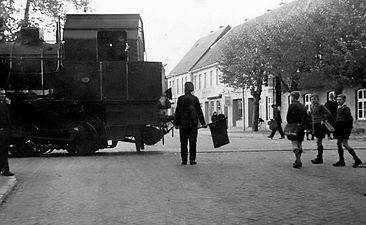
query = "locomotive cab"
{"x": 92, "y": 89}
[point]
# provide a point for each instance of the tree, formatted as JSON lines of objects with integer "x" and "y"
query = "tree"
{"x": 244, "y": 66}
{"x": 292, "y": 50}
{"x": 40, "y": 13}
{"x": 51, "y": 8}
{"x": 8, "y": 22}
{"x": 342, "y": 26}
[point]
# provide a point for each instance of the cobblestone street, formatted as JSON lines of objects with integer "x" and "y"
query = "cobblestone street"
{"x": 226, "y": 187}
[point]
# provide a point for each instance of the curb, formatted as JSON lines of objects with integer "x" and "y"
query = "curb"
{"x": 6, "y": 189}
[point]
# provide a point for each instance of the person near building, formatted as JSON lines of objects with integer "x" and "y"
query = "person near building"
{"x": 332, "y": 106}
{"x": 318, "y": 115}
{"x": 187, "y": 116}
{"x": 4, "y": 132}
{"x": 278, "y": 119}
{"x": 297, "y": 114}
{"x": 343, "y": 127}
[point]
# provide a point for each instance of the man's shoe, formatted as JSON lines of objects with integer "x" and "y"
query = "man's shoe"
{"x": 339, "y": 164}
{"x": 269, "y": 137}
{"x": 297, "y": 165}
{"x": 357, "y": 163}
{"x": 193, "y": 162}
{"x": 184, "y": 163}
{"x": 282, "y": 137}
{"x": 317, "y": 161}
{"x": 7, "y": 173}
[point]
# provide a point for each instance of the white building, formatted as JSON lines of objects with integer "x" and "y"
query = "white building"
{"x": 200, "y": 66}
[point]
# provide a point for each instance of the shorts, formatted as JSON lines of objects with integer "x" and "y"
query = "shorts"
{"x": 319, "y": 130}
{"x": 342, "y": 130}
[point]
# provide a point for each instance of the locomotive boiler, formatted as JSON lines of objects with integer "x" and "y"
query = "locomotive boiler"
{"x": 86, "y": 92}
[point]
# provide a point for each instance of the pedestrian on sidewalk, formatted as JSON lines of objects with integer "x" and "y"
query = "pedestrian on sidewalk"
{"x": 4, "y": 134}
{"x": 318, "y": 115}
{"x": 277, "y": 117}
{"x": 297, "y": 114}
{"x": 187, "y": 116}
{"x": 332, "y": 106}
{"x": 343, "y": 127}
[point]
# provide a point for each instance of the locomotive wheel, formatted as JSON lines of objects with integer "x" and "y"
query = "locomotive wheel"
{"x": 84, "y": 139}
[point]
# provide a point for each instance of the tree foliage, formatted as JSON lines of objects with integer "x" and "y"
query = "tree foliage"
{"x": 8, "y": 22}
{"x": 43, "y": 13}
{"x": 343, "y": 50}
{"x": 322, "y": 45}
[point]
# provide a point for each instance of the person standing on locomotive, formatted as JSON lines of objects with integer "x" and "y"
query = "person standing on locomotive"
{"x": 4, "y": 132}
{"x": 187, "y": 115}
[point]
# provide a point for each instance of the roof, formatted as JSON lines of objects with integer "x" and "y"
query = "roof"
{"x": 197, "y": 51}
{"x": 286, "y": 11}
{"x": 102, "y": 21}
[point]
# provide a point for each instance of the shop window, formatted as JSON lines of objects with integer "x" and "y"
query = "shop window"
{"x": 212, "y": 107}
{"x": 218, "y": 107}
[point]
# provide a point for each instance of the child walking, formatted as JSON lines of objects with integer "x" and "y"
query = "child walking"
{"x": 343, "y": 127}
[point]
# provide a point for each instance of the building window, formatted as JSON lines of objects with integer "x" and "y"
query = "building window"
{"x": 217, "y": 77}
{"x": 212, "y": 107}
{"x": 199, "y": 81}
{"x": 185, "y": 80}
{"x": 170, "y": 83}
{"x": 173, "y": 87}
{"x": 182, "y": 85}
{"x": 204, "y": 80}
{"x": 195, "y": 81}
{"x": 210, "y": 78}
{"x": 307, "y": 101}
{"x": 330, "y": 93}
{"x": 289, "y": 100}
{"x": 177, "y": 86}
{"x": 361, "y": 104}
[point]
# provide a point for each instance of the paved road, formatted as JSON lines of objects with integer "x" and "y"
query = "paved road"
{"x": 226, "y": 187}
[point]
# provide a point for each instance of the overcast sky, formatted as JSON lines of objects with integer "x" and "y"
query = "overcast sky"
{"x": 173, "y": 26}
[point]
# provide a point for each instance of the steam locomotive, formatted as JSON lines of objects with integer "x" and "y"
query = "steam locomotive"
{"x": 86, "y": 92}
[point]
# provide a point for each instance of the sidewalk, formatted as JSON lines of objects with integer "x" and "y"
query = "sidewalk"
{"x": 6, "y": 185}
{"x": 259, "y": 140}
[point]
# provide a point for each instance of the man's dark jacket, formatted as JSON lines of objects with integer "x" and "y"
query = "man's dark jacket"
{"x": 188, "y": 112}
{"x": 277, "y": 115}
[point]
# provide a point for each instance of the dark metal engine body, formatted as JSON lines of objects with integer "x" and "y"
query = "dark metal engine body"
{"x": 91, "y": 89}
